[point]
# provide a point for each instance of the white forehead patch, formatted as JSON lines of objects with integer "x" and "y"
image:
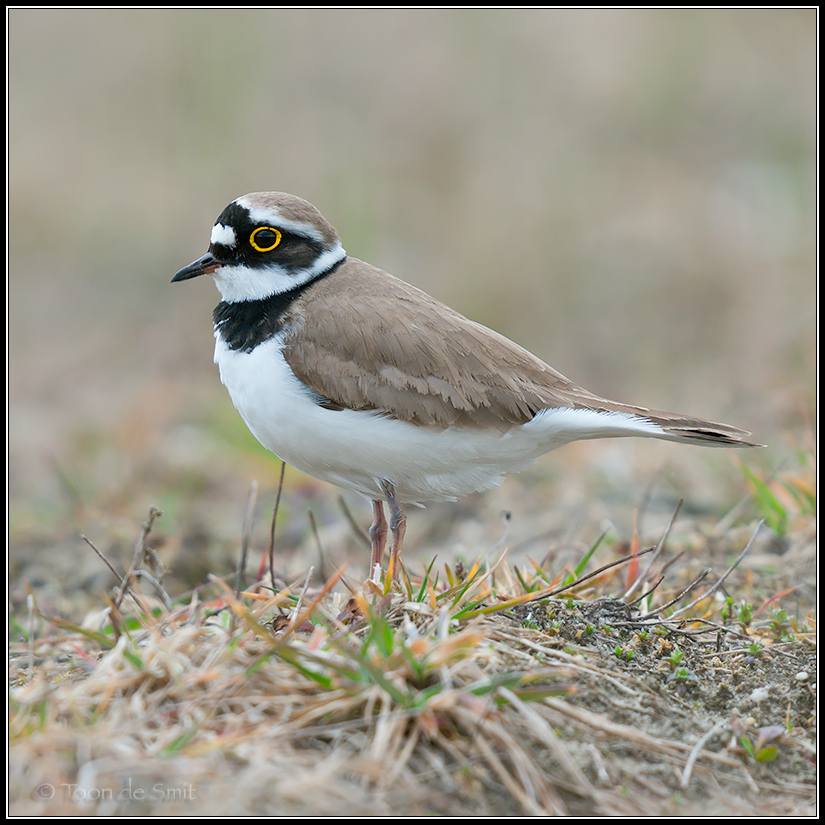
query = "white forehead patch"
{"x": 224, "y": 235}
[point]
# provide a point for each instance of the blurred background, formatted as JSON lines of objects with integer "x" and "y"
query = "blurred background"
{"x": 631, "y": 194}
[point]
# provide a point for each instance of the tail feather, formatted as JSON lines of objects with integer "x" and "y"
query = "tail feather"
{"x": 706, "y": 433}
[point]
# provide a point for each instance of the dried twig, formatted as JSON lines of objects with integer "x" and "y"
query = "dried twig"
{"x": 271, "y": 553}
{"x": 550, "y": 592}
{"x": 727, "y": 573}
{"x": 143, "y": 554}
{"x": 656, "y": 552}
{"x": 359, "y": 532}
{"x": 313, "y": 525}
{"x": 248, "y": 521}
{"x": 685, "y": 780}
{"x": 695, "y": 583}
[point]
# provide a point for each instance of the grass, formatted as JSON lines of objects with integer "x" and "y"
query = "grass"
{"x": 491, "y": 690}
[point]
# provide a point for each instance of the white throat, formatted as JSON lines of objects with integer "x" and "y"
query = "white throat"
{"x": 244, "y": 283}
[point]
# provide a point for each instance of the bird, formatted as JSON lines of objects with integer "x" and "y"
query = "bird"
{"x": 360, "y": 379}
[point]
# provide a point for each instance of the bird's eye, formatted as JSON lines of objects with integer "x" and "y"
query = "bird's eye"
{"x": 265, "y": 239}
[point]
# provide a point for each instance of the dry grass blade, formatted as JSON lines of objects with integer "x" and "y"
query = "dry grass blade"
{"x": 483, "y": 689}
{"x": 545, "y": 732}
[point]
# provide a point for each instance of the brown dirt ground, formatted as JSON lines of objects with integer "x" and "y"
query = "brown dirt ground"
{"x": 622, "y": 731}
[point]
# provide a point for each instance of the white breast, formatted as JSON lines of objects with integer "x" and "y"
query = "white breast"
{"x": 356, "y": 450}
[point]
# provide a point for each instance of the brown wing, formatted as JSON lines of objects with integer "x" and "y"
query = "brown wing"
{"x": 373, "y": 342}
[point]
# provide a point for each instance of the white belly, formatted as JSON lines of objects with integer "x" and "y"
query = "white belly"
{"x": 356, "y": 450}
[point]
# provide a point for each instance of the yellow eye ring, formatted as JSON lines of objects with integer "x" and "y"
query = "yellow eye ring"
{"x": 268, "y": 242}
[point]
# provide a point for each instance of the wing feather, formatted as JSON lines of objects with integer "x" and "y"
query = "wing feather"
{"x": 374, "y": 342}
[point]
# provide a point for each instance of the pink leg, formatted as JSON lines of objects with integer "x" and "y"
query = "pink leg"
{"x": 378, "y": 534}
{"x": 398, "y": 526}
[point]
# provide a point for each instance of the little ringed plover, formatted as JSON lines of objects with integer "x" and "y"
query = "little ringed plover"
{"x": 357, "y": 378}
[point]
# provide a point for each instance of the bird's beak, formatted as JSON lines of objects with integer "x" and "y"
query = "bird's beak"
{"x": 205, "y": 265}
